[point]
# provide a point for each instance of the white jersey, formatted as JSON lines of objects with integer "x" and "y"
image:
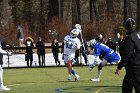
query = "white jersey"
{"x": 70, "y": 46}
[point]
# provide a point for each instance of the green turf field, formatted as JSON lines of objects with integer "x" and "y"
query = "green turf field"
{"x": 53, "y": 80}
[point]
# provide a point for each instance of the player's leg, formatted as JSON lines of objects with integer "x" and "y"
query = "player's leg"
{"x": 2, "y": 87}
{"x": 69, "y": 67}
{"x": 76, "y": 75}
{"x": 100, "y": 66}
{"x": 127, "y": 86}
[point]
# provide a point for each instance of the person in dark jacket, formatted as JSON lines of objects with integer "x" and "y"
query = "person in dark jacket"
{"x": 41, "y": 52}
{"x": 84, "y": 49}
{"x": 110, "y": 44}
{"x": 55, "y": 51}
{"x": 130, "y": 58}
{"x": 29, "y": 52}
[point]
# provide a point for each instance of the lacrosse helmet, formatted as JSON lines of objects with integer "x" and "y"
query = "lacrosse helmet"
{"x": 130, "y": 24}
{"x": 92, "y": 42}
{"x": 77, "y": 26}
{"x": 75, "y": 32}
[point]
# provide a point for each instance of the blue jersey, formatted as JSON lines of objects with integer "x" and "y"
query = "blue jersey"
{"x": 108, "y": 53}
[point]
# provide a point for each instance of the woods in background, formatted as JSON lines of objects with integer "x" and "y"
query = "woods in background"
{"x": 37, "y": 17}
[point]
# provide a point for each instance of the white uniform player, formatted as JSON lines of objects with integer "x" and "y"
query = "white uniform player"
{"x": 2, "y": 52}
{"x": 71, "y": 44}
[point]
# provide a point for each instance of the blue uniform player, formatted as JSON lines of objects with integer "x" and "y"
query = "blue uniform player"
{"x": 108, "y": 56}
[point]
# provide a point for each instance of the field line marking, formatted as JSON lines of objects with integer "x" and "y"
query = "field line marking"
{"x": 14, "y": 85}
{"x": 98, "y": 91}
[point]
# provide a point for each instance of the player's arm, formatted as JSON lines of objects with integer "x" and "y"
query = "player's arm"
{"x": 126, "y": 54}
{"x": 4, "y": 52}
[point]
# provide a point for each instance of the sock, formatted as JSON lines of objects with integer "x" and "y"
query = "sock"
{"x": 99, "y": 73}
{"x": 73, "y": 72}
{"x": 1, "y": 76}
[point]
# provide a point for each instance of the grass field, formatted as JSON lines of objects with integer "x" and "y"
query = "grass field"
{"x": 53, "y": 80}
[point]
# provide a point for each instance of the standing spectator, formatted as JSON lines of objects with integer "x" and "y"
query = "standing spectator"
{"x": 55, "y": 51}
{"x": 41, "y": 52}
{"x": 130, "y": 58}
{"x": 110, "y": 44}
{"x": 20, "y": 35}
{"x": 116, "y": 40}
{"x": 120, "y": 44}
{"x": 29, "y": 51}
{"x": 84, "y": 50}
{"x": 2, "y": 52}
{"x": 101, "y": 39}
{"x": 71, "y": 44}
{"x": 77, "y": 53}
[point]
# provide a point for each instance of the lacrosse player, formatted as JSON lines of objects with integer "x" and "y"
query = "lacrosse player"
{"x": 2, "y": 52}
{"x": 108, "y": 56}
{"x": 71, "y": 44}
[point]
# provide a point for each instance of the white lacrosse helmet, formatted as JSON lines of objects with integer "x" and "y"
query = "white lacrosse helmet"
{"x": 77, "y": 26}
{"x": 75, "y": 32}
{"x": 92, "y": 42}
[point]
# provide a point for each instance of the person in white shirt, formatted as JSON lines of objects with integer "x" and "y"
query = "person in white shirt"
{"x": 2, "y": 52}
{"x": 71, "y": 44}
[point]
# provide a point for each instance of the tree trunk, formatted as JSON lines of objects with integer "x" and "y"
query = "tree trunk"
{"x": 91, "y": 11}
{"x": 127, "y": 9}
{"x": 60, "y": 2}
{"x": 95, "y": 10}
{"x": 75, "y": 12}
{"x": 138, "y": 15}
{"x": 110, "y": 9}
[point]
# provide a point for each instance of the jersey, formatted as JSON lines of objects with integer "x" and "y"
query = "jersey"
{"x": 108, "y": 54}
{"x": 70, "y": 46}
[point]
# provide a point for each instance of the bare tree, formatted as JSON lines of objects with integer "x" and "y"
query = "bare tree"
{"x": 127, "y": 9}
{"x": 110, "y": 9}
{"x": 76, "y": 11}
{"x": 138, "y": 15}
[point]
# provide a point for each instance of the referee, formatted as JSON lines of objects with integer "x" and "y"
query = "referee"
{"x": 130, "y": 58}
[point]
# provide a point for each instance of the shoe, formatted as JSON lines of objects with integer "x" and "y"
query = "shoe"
{"x": 95, "y": 79}
{"x": 77, "y": 77}
{"x": 4, "y": 88}
{"x": 69, "y": 78}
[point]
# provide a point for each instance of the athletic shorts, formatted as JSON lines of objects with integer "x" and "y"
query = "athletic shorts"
{"x": 68, "y": 57}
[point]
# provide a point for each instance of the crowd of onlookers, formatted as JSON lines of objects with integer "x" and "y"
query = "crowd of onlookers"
{"x": 114, "y": 43}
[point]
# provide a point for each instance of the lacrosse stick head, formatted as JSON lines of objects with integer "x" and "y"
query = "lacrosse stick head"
{"x": 75, "y": 32}
{"x": 78, "y": 26}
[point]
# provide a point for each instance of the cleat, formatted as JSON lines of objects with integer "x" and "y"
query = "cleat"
{"x": 4, "y": 88}
{"x": 95, "y": 79}
{"x": 69, "y": 78}
{"x": 77, "y": 77}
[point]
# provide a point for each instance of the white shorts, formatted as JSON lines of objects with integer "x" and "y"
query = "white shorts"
{"x": 68, "y": 57}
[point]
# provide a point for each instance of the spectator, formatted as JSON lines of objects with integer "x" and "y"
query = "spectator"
{"x": 55, "y": 51}
{"x": 85, "y": 51}
{"x": 120, "y": 44}
{"x": 2, "y": 52}
{"x": 41, "y": 52}
{"x": 110, "y": 44}
{"x": 130, "y": 58}
{"x": 101, "y": 39}
{"x": 116, "y": 40}
{"x": 29, "y": 52}
{"x": 20, "y": 35}
{"x": 77, "y": 53}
